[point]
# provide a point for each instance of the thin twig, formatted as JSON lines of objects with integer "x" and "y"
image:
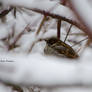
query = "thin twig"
{"x": 17, "y": 88}
{"x": 79, "y": 42}
{"x": 84, "y": 25}
{"x": 42, "y": 22}
{"x": 14, "y": 12}
{"x": 13, "y": 45}
{"x": 63, "y": 2}
{"x": 31, "y": 47}
{"x": 19, "y": 36}
{"x": 5, "y": 12}
{"x": 75, "y": 34}
{"x": 68, "y": 33}
{"x": 58, "y": 28}
{"x": 33, "y": 44}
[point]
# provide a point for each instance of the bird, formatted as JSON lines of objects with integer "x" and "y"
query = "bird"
{"x": 56, "y": 47}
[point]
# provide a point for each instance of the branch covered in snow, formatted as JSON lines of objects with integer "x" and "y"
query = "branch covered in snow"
{"x": 49, "y": 8}
{"x": 83, "y": 11}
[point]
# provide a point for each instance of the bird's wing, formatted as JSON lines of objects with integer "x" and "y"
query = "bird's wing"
{"x": 59, "y": 48}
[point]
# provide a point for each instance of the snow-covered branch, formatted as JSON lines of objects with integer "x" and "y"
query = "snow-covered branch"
{"x": 82, "y": 10}
{"x": 53, "y": 9}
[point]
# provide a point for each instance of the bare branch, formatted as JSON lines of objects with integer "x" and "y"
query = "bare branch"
{"x": 68, "y": 33}
{"x": 58, "y": 28}
{"x": 85, "y": 27}
{"x": 5, "y": 12}
{"x": 40, "y": 26}
{"x": 46, "y": 13}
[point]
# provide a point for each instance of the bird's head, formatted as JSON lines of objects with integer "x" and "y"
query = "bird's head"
{"x": 51, "y": 41}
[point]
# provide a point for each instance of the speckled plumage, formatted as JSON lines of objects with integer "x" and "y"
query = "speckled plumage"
{"x": 57, "y": 47}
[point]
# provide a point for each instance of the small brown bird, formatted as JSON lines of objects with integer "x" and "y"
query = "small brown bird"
{"x": 57, "y": 47}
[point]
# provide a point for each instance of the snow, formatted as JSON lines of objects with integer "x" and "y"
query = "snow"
{"x": 4, "y": 88}
{"x": 45, "y": 70}
{"x": 28, "y": 69}
{"x": 43, "y": 5}
{"x": 85, "y": 13}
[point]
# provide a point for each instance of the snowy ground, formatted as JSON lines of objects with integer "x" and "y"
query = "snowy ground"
{"x": 37, "y": 69}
